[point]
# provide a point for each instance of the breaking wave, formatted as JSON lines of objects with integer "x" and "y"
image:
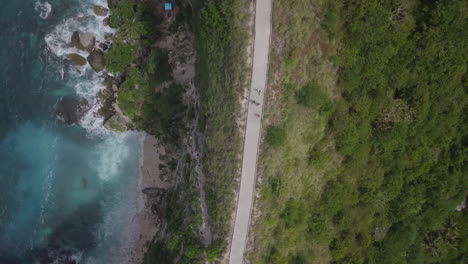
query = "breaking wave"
{"x": 43, "y": 8}
{"x": 86, "y": 83}
{"x": 112, "y": 152}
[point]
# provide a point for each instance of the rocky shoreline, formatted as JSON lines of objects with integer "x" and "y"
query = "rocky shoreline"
{"x": 71, "y": 110}
{"x": 169, "y": 170}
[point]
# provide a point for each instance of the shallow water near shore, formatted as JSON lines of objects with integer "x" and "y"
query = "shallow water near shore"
{"x": 67, "y": 191}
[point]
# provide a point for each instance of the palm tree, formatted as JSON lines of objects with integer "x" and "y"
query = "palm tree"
{"x": 432, "y": 243}
{"x": 450, "y": 233}
{"x": 133, "y": 29}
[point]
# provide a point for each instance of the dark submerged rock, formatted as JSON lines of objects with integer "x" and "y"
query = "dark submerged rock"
{"x": 71, "y": 110}
{"x": 84, "y": 183}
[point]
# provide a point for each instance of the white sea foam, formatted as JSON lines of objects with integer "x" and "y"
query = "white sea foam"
{"x": 88, "y": 83}
{"x": 113, "y": 151}
{"x": 44, "y": 9}
{"x": 120, "y": 215}
{"x": 59, "y": 40}
{"x": 47, "y": 188}
{"x": 89, "y": 88}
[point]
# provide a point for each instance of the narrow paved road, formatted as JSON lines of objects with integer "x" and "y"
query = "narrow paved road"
{"x": 252, "y": 134}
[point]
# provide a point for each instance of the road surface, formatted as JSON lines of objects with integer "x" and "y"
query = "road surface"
{"x": 253, "y": 128}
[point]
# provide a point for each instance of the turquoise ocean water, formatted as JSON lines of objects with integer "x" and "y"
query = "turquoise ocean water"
{"x": 66, "y": 191}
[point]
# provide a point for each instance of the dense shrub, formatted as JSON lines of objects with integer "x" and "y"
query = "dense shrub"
{"x": 382, "y": 179}
{"x": 276, "y": 136}
{"x": 311, "y": 95}
{"x": 119, "y": 57}
{"x": 122, "y": 13}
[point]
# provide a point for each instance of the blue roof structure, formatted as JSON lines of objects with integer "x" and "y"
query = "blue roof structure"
{"x": 168, "y": 6}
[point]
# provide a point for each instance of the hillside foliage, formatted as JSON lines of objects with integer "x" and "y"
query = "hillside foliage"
{"x": 375, "y": 159}
{"x": 142, "y": 67}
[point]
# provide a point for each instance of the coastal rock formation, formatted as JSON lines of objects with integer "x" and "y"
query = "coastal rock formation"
{"x": 116, "y": 123}
{"x": 75, "y": 40}
{"x": 87, "y": 40}
{"x": 100, "y": 10}
{"x": 106, "y": 21}
{"x": 114, "y": 119}
{"x": 70, "y": 110}
{"x": 96, "y": 60}
{"x": 156, "y": 198}
{"x": 77, "y": 59}
{"x": 107, "y": 99}
{"x": 112, "y": 3}
{"x": 103, "y": 46}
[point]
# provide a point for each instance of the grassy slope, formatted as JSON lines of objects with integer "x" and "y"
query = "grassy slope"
{"x": 374, "y": 108}
{"x": 221, "y": 44}
{"x": 221, "y": 39}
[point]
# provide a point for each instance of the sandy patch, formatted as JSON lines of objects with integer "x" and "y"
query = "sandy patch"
{"x": 145, "y": 223}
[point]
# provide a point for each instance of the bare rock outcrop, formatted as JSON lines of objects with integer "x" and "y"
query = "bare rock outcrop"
{"x": 100, "y": 10}
{"x": 77, "y": 59}
{"x": 75, "y": 40}
{"x": 96, "y": 60}
{"x": 112, "y": 3}
{"x": 88, "y": 40}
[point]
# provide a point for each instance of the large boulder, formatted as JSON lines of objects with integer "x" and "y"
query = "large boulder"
{"x": 75, "y": 40}
{"x": 87, "y": 40}
{"x": 100, "y": 10}
{"x": 116, "y": 123}
{"x": 96, "y": 60}
{"x": 77, "y": 59}
{"x": 112, "y": 3}
{"x": 107, "y": 99}
{"x": 70, "y": 110}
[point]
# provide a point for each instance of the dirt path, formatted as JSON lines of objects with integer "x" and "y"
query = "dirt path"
{"x": 253, "y": 129}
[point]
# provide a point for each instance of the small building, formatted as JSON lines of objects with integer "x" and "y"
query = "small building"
{"x": 168, "y": 6}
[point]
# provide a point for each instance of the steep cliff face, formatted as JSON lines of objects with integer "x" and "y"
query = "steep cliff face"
{"x": 185, "y": 225}
{"x": 183, "y": 80}
{"x": 154, "y": 91}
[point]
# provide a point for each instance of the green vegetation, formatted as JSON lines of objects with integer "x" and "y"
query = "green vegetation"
{"x": 130, "y": 20}
{"x": 184, "y": 220}
{"x": 167, "y": 106}
{"x": 312, "y": 96}
{"x": 117, "y": 126}
{"x": 148, "y": 96}
{"x": 123, "y": 13}
{"x": 141, "y": 97}
{"x": 372, "y": 95}
{"x": 222, "y": 39}
{"x": 132, "y": 93}
{"x": 120, "y": 57}
{"x": 276, "y": 136}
